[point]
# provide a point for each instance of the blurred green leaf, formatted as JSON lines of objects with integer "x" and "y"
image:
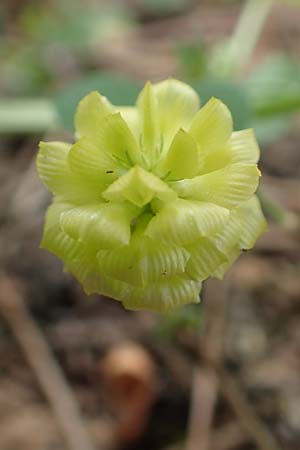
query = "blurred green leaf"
{"x": 192, "y": 60}
{"x": 270, "y": 129}
{"x": 233, "y": 95}
{"x": 163, "y": 7}
{"x": 120, "y": 90}
{"x": 27, "y": 116}
{"x": 274, "y": 88}
{"x": 188, "y": 317}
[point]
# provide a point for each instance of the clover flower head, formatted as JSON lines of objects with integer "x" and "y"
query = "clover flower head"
{"x": 153, "y": 199}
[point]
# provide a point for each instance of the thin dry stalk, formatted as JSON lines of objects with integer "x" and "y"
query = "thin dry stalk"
{"x": 42, "y": 362}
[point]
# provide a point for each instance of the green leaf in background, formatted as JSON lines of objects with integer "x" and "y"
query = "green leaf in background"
{"x": 189, "y": 317}
{"x": 271, "y": 129}
{"x": 192, "y": 60}
{"x": 232, "y": 94}
{"x": 274, "y": 88}
{"x": 274, "y": 91}
{"x": 163, "y": 7}
{"x": 119, "y": 89}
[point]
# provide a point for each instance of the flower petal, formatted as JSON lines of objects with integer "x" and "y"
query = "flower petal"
{"x": 131, "y": 117}
{"x": 53, "y": 169}
{"x": 92, "y": 162}
{"x": 182, "y": 160}
{"x": 243, "y": 147}
{"x": 143, "y": 261}
{"x": 164, "y": 296}
{"x": 139, "y": 187}
{"x": 245, "y": 225}
{"x": 182, "y": 221}
{"x": 220, "y": 271}
{"x": 99, "y": 226}
{"x": 212, "y": 126}
{"x": 115, "y": 138}
{"x": 227, "y": 187}
{"x": 177, "y": 104}
{"x": 54, "y": 239}
{"x": 90, "y": 112}
{"x": 205, "y": 258}
{"x": 150, "y": 138}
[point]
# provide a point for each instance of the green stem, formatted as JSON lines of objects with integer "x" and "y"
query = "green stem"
{"x": 247, "y": 32}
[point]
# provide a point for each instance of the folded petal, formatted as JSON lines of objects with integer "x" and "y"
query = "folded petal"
{"x": 131, "y": 116}
{"x": 205, "y": 259}
{"x": 99, "y": 226}
{"x": 54, "y": 171}
{"x": 182, "y": 159}
{"x": 177, "y": 104}
{"x": 245, "y": 225}
{"x": 115, "y": 138}
{"x": 92, "y": 162}
{"x": 150, "y": 137}
{"x": 90, "y": 112}
{"x": 139, "y": 187}
{"x": 220, "y": 271}
{"x": 243, "y": 147}
{"x": 227, "y": 187}
{"x": 78, "y": 259}
{"x": 164, "y": 296}
{"x": 212, "y": 126}
{"x": 143, "y": 261}
{"x": 182, "y": 222}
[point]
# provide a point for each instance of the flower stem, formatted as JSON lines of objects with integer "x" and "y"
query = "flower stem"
{"x": 247, "y": 32}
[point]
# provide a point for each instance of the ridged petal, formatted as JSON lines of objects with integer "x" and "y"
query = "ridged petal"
{"x": 227, "y": 187}
{"x": 177, "y": 104}
{"x": 220, "y": 271}
{"x": 243, "y": 147}
{"x": 92, "y": 162}
{"x": 89, "y": 114}
{"x": 212, "y": 126}
{"x": 205, "y": 259}
{"x": 54, "y": 171}
{"x": 182, "y": 221}
{"x": 245, "y": 225}
{"x": 115, "y": 138}
{"x": 131, "y": 116}
{"x": 148, "y": 112}
{"x": 100, "y": 226}
{"x": 143, "y": 261}
{"x": 139, "y": 187}
{"x": 182, "y": 160}
{"x": 165, "y": 295}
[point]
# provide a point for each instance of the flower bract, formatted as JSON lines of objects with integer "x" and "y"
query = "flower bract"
{"x": 152, "y": 199}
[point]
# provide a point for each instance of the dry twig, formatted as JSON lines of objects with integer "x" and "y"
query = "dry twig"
{"x": 205, "y": 384}
{"x": 251, "y": 423}
{"x": 42, "y": 362}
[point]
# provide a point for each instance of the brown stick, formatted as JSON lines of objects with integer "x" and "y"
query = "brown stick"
{"x": 246, "y": 414}
{"x": 42, "y": 362}
{"x": 205, "y": 383}
{"x": 204, "y": 396}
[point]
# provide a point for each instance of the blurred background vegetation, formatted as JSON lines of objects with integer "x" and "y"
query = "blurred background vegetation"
{"x": 247, "y": 53}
